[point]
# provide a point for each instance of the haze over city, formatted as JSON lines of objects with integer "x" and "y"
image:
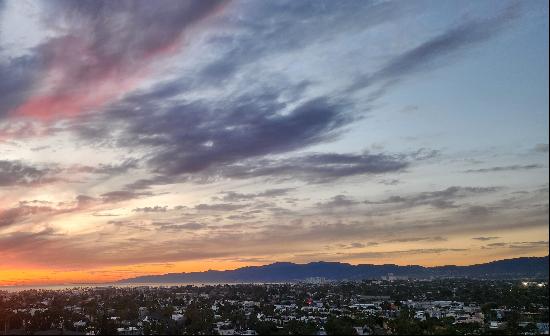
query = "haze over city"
{"x": 150, "y": 137}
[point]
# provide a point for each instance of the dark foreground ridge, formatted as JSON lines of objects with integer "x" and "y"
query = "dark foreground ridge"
{"x": 518, "y": 268}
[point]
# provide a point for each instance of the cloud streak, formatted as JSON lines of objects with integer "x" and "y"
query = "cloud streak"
{"x": 112, "y": 60}
{"x": 439, "y": 49}
{"x": 505, "y": 168}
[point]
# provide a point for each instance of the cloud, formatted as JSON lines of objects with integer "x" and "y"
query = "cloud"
{"x": 195, "y": 139}
{"x": 180, "y": 227}
{"x": 389, "y": 254}
{"x": 485, "y": 238}
{"x": 316, "y": 167}
{"x": 241, "y": 136}
{"x": 524, "y": 246}
{"x": 390, "y": 182}
{"x": 109, "y": 169}
{"x": 337, "y": 202}
{"x": 310, "y": 167}
{"x": 18, "y": 214}
{"x": 24, "y": 241}
{"x": 417, "y": 239}
{"x": 12, "y": 129}
{"x": 121, "y": 196}
{"x": 16, "y": 173}
{"x": 202, "y": 139}
{"x": 291, "y": 27}
{"x": 112, "y": 60}
{"x": 478, "y": 211}
{"x": 219, "y": 207}
{"x": 423, "y": 154}
{"x": 541, "y": 148}
{"x": 205, "y": 139}
{"x": 530, "y": 244}
{"x": 497, "y": 244}
{"x": 297, "y": 233}
{"x": 441, "y": 199}
{"x": 505, "y": 168}
{"x": 22, "y": 72}
{"x": 156, "y": 208}
{"x": 245, "y": 130}
{"x": 357, "y": 245}
{"x": 439, "y": 49}
{"x": 37, "y": 210}
{"x": 232, "y": 196}
{"x": 83, "y": 200}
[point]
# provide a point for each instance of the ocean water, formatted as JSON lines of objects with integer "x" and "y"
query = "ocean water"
{"x": 97, "y": 285}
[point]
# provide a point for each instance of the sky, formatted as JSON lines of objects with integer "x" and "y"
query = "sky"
{"x": 141, "y": 137}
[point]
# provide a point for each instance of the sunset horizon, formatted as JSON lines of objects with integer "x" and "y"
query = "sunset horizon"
{"x": 171, "y": 270}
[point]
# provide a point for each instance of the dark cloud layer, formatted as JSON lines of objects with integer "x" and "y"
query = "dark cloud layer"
{"x": 115, "y": 169}
{"x": 200, "y": 140}
{"x": 15, "y": 215}
{"x": 233, "y": 196}
{"x": 16, "y": 173}
{"x": 219, "y": 207}
{"x": 201, "y": 137}
{"x": 485, "y": 238}
{"x": 243, "y": 134}
{"x": 317, "y": 167}
{"x": 24, "y": 241}
{"x": 337, "y": 201}
{"x": 22, "y": 73}
{"x": 418, "y": 239}
{"x": 441, "y": 199}
{"x": 155, "y": 208}
{"x": 192, "y": 226}
{"x": 121, "y": 196}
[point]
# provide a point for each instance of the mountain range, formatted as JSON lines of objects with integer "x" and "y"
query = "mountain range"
{"x": 518, "y": 268}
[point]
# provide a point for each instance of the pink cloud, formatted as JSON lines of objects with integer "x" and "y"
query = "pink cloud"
{"x": 105, "y": 55}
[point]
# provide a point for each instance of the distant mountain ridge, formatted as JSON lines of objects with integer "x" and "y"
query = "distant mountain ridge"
{"x": 525, "y": 267}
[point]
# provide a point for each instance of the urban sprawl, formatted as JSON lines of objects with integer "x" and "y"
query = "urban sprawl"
{"x": 314, "y": 307}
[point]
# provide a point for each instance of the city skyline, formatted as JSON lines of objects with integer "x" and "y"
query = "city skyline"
{"x": 145, "y": 138}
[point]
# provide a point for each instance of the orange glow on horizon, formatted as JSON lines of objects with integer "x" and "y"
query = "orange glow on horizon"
{"x": 22, "y": 276}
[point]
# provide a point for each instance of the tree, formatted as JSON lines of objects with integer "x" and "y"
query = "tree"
{"x": 340, "y": 326}
{"x": 198, "y": 319}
